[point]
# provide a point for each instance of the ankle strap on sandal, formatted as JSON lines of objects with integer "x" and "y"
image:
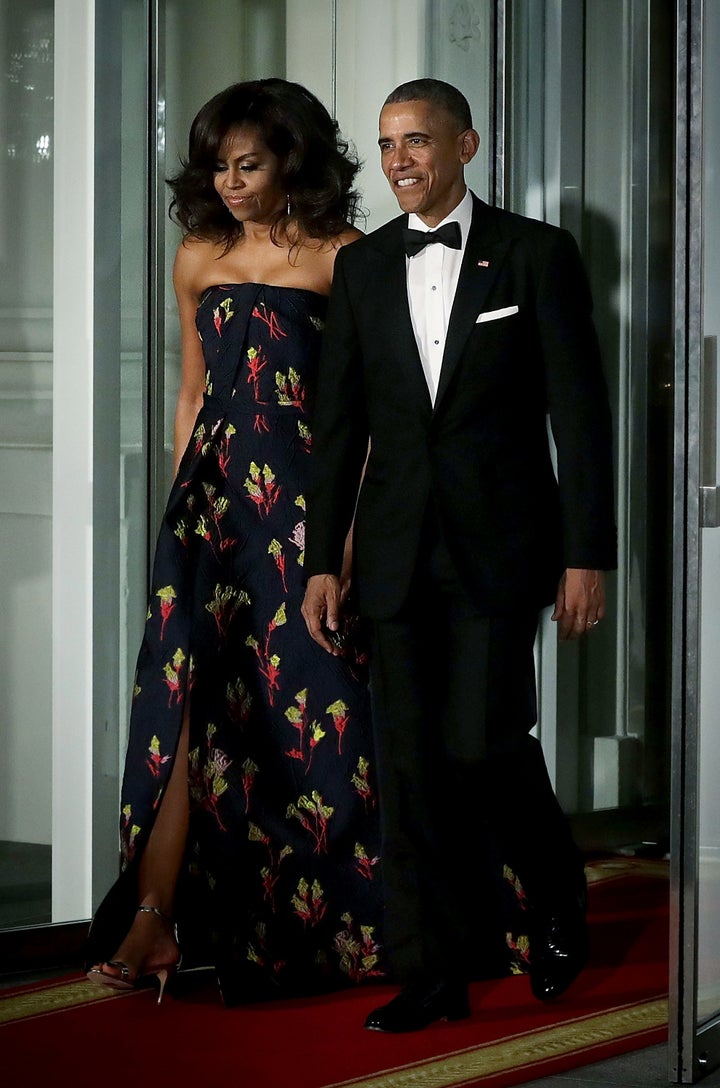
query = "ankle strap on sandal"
{"x": 147, "y": 909}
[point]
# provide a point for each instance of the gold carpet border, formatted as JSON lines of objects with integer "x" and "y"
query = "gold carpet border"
{"x": 53, "y": 999}
{"x": 516, "y": 1052}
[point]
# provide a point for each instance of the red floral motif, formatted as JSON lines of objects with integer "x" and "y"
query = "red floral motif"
{"x": 269, "y": 664}
{"x": 239, "y": 701}
{"x": 363, "y": 862}
{"x": 359, "y": 952}
{"x": 173, "y": 675}
{"x": 221, "y": 314}
{"x": 360, "y": 781}
{"x": 224, "y": 605}
{"x": 224, "y": 450}
{"x": 208, "y": 525}
{"x": 129, "y": 832}
{"x": 271, "y": 872}
{"x": 314, "y": 816}
{"x": 275, "y": 549}
{"x": 256, "y": 363}
{"x": 290, "y": 390}
{"x": 340, "y": 716}
{"x": 249, "y": 770}
{"x": 257, "y": 952}
{"x": 261, "y": 488}
{"x": 297, "y": 716}
{"x": 155, "y": 761}
{"x": 199, "y": 438}
{"x": 516, "y": 886}
{"x": 270, "y": 319}
{"x": 305, "y": 435}
{"x": 208, "y": 783}
{"x": 308, "y": 902}
{"x": 167, "y": 597}
{"x": 520, "y": 947}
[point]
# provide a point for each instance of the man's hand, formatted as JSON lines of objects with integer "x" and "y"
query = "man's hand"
{"x": 580, "y": 602}
{"x": 321, "y": 610}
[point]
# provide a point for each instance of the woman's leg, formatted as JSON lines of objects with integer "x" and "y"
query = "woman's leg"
{"x": 150, "y": 940}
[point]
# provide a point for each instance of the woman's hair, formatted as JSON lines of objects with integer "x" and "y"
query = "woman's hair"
{"x": 317, "y": 168}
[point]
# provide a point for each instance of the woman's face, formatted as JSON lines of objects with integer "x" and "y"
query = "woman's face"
{"x": 247, "y": 177}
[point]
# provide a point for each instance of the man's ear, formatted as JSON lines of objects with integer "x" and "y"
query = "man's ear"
{"x": 469, "y": 144}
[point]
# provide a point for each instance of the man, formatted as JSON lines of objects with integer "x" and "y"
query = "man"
{"x": 445, "y": 353}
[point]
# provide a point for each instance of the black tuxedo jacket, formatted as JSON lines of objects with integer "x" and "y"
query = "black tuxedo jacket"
{"x": 520, "y": 344}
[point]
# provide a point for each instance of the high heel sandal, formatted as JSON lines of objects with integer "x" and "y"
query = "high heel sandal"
{"x": 124, "y": 981}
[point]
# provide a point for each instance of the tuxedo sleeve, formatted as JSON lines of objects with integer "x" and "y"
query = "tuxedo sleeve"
{"x": 339, "y": 430}
{"x": 578, "y": 405}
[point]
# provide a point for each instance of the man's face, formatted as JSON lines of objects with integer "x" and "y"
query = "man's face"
{"x": 423, "y": 155}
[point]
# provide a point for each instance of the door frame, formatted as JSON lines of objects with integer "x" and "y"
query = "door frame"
{"x": 694, "y": 1051}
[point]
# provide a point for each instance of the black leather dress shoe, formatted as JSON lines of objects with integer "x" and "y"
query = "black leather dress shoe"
{"x": 558, "y": 948}
{"x": 418, "y": 1005}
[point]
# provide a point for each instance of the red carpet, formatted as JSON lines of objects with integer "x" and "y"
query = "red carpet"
{"x": 72, "y": 1032}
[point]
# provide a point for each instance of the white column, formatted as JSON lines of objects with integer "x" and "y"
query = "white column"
{"x": 72, "y": 459}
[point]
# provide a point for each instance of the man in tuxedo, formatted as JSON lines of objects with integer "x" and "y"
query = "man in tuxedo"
{"x": 452, "y": 332}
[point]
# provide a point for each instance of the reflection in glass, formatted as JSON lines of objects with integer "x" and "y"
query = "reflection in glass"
{"x": 26, "y": 256}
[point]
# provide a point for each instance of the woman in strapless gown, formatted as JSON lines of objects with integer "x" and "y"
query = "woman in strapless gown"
{"x": 249, "y": 810}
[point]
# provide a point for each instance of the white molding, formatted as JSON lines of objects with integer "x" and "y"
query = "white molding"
{"x": 73, "y": 188}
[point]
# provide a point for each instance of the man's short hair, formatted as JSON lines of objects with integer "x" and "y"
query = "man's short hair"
{"x": 438, "y": 93}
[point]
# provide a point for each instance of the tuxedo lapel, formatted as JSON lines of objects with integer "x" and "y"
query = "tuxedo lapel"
{"x": 484, "y": 254}
{"x": 393, "y": 308}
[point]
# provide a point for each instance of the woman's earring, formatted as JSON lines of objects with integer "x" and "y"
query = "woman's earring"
{"x": 288, "y": 203}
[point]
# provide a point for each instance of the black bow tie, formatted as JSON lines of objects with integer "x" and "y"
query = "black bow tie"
{"x": 415, "y": 240}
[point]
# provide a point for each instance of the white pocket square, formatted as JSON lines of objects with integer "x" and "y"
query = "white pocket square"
{"x": 493, "y": 315}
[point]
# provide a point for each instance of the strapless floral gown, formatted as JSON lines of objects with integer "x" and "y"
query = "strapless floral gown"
{"x": 281, "y": 885}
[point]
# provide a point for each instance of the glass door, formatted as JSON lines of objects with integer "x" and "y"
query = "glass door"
{"x": 72, "y": 477}
{"x": 589, "y": 148}
{"x": 26, "y": 452}
{"x": 695, "y": 1008}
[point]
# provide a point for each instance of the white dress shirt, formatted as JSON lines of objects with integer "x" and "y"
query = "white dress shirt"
{"x": 432, "y": 277}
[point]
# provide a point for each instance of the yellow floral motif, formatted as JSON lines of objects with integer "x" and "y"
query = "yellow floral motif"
{"x": 255, "y": 834}
{"x": 225, "y": 305}
{"x": 308, "y": 901}
{"x": 280, "y": 617}
{"x": 300, "y": 501}
{"x": 261, "y": 487}
{"x": 173, "y": 667}
{"x": 314, "y": 815}
{"x": 317, "y": 732}
{"x": 225, "y": 604}
{"x": 289, "y": 388}
{"x": 358, "y": 955}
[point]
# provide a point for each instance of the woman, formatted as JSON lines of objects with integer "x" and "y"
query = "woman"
{"x": 248, "y": 810}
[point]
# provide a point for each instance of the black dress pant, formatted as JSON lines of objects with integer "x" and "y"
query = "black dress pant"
{"x": 454, "y": 700}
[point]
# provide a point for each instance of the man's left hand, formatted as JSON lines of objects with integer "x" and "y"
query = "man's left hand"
{"x": 580, "y": 602}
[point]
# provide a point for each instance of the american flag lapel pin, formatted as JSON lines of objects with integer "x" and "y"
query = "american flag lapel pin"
{"x": 483, "y": 264}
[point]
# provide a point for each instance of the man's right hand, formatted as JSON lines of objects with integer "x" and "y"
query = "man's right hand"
{"x": 321, "y": 610}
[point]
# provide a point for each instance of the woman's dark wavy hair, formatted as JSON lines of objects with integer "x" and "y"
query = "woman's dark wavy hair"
{"x": 317, "y": 166}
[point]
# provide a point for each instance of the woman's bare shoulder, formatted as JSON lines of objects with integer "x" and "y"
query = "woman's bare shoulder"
{"x": 194, "y": 262}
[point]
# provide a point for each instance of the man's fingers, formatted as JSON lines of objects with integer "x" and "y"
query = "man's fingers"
{"x": 320, "y": 610}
